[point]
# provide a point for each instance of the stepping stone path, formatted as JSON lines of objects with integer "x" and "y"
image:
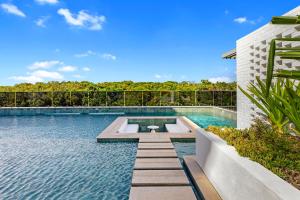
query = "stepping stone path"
{"x": 158, "y": 173}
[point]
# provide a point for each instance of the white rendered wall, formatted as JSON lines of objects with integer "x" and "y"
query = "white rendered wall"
{"x": 252, "y": 54}
{"x": 235, "y": 177}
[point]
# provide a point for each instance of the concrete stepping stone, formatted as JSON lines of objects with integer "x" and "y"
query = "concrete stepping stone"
{"x": 157, "y": 163}
{"x": 154, "y": 140}
{"x": 159, "y": 178}
{"x": 165, "y": 193}
{"x": 155, "y": 146}
{"x": 159, "y": 153}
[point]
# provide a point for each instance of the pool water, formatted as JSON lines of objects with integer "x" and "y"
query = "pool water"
{"x": 46, "y": 157}
{"x": 144, "y": 123}
{"x": 57, "y": 157}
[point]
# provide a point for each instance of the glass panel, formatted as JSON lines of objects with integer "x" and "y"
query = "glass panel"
{"x": 218, "y": 98}
{"x": 205, "y": 98}
{"x": 133, "y": 98}
{"x": 42, "y": 99}
{"x": 24, "y": 99}
{"x": 79, "y": 98}
{"x": 7, "y": 99}
{"x": 115, "y": 98}
{"x": 234, "y": 99}
{"x": 168, "y": 98}
{"x": 151, "y": 98}
{"x": 98, "y": 98}
{"x": 226, "y": 98}
{"x": 186, "y": 98}
{"x": 61, "y": 98}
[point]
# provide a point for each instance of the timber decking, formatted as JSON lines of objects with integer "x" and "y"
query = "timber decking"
{"x": 158, "y": 173}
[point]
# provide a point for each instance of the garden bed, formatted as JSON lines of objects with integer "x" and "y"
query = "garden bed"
{"x": 278, "y": 152}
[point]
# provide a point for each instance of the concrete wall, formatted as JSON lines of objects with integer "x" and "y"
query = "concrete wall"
{"x": 252, "y": 54}
{"x": 236, "y": 177}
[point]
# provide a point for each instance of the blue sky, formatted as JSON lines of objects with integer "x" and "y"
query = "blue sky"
{"x": 115, "y": 40}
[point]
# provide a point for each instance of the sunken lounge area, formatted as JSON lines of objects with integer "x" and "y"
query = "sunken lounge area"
{"x": 132, "y": 128}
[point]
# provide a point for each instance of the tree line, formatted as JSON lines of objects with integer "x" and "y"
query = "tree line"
{"x": 119, "y": 86}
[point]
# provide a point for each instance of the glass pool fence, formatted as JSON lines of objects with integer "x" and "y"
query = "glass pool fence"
{"x": 226, "y": 99}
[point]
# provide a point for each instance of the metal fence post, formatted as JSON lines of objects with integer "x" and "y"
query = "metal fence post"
{"x": 142, "y": 98}
{"x": 52, "y": 99}
{"x": 70, "y": 96}
{"x": 195, "y": 101}
{"x": 213, "y": 98}
{"x": 124, "y": 98}
{"x": 88, "y": 98}
{"x": 221, "y": 97}
{"x": 15, "y": 99}
{"x": 33, "y": 99}
{"x": 231, "y": 99}
{"x": 106, "y": 98}
{"x": 159, "y": 98}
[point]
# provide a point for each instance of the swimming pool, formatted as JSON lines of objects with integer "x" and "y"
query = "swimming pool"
{"x": 57, "y": 157}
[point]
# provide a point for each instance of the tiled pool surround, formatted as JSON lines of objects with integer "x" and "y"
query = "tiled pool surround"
{"x": 21, "y": 111}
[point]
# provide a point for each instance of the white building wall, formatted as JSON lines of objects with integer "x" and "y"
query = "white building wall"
{"x": 252, "y": 57}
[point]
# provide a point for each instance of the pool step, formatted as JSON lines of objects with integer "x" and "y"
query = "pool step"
{"x": 165, "y": 193}
{"x": 155, "y": 146}
{"x": 157, "y": 163}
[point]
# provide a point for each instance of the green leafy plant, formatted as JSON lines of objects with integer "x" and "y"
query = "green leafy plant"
{"x": 291, "y": 104}
{"x": 268, "y": 103}
{"x": 280, "y": 101}
{"x": 284, "y": 53}
{"x": 280, "y": 153}
{"x": 286, "y": 20}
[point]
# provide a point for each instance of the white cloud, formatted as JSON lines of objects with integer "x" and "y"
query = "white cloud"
{"x": 220, "y": 79}
{"x": 47, "y": 74}
{"x": 85, "y": 54}
{"x": 183, "y": 77}
{"x": 38, "y": 76}
{"x": 67, "y": 68}
{"x": 243, "y": 20}
{"x": 157, "y": 76}
{"x": 27, "y": 79}
{"x": 83, "y": 19}
{"x": 163, "y": 76}
{"x": 41, "y": 21}
{"x": 240, "y": 20}
{"x": 86, "y": 69}
{"x": 47, "y": 1}
{"x": 108, "y": 56}
{"x": 77, "y": 76}
{"x": 44, "y": 64}
{"x": 12, "y": 9}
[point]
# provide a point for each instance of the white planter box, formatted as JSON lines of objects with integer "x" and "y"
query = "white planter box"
{"x": 236, "y": 177}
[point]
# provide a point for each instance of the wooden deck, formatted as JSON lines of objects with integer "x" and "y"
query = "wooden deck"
{"x": 158, "y": 173}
